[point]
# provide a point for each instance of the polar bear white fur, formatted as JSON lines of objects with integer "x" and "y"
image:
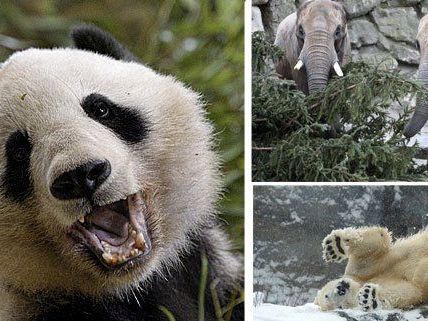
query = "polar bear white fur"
{"x": 379, "y": 273}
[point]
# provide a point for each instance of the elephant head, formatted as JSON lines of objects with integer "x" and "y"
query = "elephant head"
{"x": 321, "y": 34}
{"x": 420, "y": 116}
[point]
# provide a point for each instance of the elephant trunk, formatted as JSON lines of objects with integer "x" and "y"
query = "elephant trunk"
{"x": 420, "y": 116}
{"x": 319, "y": 56}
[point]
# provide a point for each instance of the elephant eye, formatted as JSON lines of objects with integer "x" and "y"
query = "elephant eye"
{"x": 418, "y": 45}
{"x": 300, "y": 32}
{"x": 338, "y": 32}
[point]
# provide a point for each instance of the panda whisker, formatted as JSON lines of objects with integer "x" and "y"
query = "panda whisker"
{"x": 135, "y": 297}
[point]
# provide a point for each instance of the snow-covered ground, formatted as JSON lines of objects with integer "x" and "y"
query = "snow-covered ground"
{"x": 311, "y": 312}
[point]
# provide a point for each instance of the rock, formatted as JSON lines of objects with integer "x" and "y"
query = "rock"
{"x": 256, "y": 19}
{"x": 359, "y": 8}
{"x": 401, "y": 51}
{"x": 409, "y": 71}
{"x": 377, "y": 58}
{"x": 424, "y": 7}
{"x": 384, "y": 42}
{"x": 400, "y": 3}
{"x": 259, "y": 2}
{"x": 405, "y": 53}
{"x": 400, "y": 24}
{"x": 274, "y": 12}
{"x": 362, "y": 33}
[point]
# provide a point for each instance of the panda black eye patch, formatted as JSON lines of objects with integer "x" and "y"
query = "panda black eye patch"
{"x": 16, "y": 180}
{"x": 128, "y": 124}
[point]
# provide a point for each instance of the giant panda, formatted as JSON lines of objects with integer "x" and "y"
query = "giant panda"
{"x": 108, "y": 190}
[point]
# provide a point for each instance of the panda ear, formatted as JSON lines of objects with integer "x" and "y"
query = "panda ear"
{"x": 92, "y": 38}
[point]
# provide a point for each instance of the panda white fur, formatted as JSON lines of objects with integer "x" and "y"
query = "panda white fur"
{"x": 108, "y": 189}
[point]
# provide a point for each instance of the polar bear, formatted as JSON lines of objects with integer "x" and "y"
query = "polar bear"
{"x": 108, "y": 190}
{"x": 380, "y": 274}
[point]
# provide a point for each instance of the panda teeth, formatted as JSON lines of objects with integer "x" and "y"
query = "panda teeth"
{"x": 136, "y": 245}
{"x": 114, "y": 259}
{"x": 117, "y": 257}
{"x": 140, "y": 242}
{"x": 106, "y": 246}
{"x": 107, "y": 257}
{"x": 82, "y": 219}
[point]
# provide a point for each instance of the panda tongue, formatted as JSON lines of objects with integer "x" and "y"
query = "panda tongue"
{"x": 109, "y": 226}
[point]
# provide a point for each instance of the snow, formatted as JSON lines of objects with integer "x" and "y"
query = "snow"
{"x": 308, "y": 312}
{"x": 358, "y": 206}
{"x": 311, "y": 312}
{"x": 397, "y": 197}
{"x": 294, "y": 219}
{"x": 328, "y": 201}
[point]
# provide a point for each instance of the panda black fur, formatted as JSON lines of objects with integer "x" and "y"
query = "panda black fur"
{"x": 87, "y": 133}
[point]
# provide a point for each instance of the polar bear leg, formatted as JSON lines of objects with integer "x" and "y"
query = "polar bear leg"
{"x": 421, "y": 274}
{"x": 340, "y": 244}
{"x": 388, "y": 294}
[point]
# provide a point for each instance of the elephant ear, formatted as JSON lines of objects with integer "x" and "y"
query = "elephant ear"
{"x": 92, "y": 38}
{"x": 345, "y": 49}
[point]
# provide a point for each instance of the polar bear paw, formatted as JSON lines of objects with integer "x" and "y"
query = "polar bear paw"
{"x": 343, "y": 287}
{"x": 368, "y": 298}
{"x": 339, "y": 294}
{"x": 334, "y": 248}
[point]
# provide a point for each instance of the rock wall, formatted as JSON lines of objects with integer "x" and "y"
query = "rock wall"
{"x": 380, "y": 30}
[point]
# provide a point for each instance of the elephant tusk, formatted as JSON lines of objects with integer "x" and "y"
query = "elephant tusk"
{"x": 337, "y": 69}
{"x": 298, "y": 65}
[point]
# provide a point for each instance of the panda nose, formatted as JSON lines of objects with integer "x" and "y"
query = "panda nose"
{"x": 82, "y": 181}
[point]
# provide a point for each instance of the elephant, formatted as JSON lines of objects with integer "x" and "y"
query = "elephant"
{"x": 315, "y": 42}
{"x": 420, "y": 116}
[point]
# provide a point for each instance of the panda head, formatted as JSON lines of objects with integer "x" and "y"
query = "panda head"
{"x": 106, "y": 168}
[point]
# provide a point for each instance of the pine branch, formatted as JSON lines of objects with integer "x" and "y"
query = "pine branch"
{"x": 344, "y": 133}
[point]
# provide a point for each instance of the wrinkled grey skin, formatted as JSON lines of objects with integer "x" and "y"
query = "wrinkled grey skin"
{"x": 420, "y": 116}
{"x": 317, "y": 34}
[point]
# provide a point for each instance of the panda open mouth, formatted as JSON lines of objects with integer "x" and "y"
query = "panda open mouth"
{"x": 116, "y": 233}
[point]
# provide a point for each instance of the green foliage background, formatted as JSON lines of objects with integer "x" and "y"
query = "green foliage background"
{"x": 293, "y": 136}
{"x": 201, "y": 42}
